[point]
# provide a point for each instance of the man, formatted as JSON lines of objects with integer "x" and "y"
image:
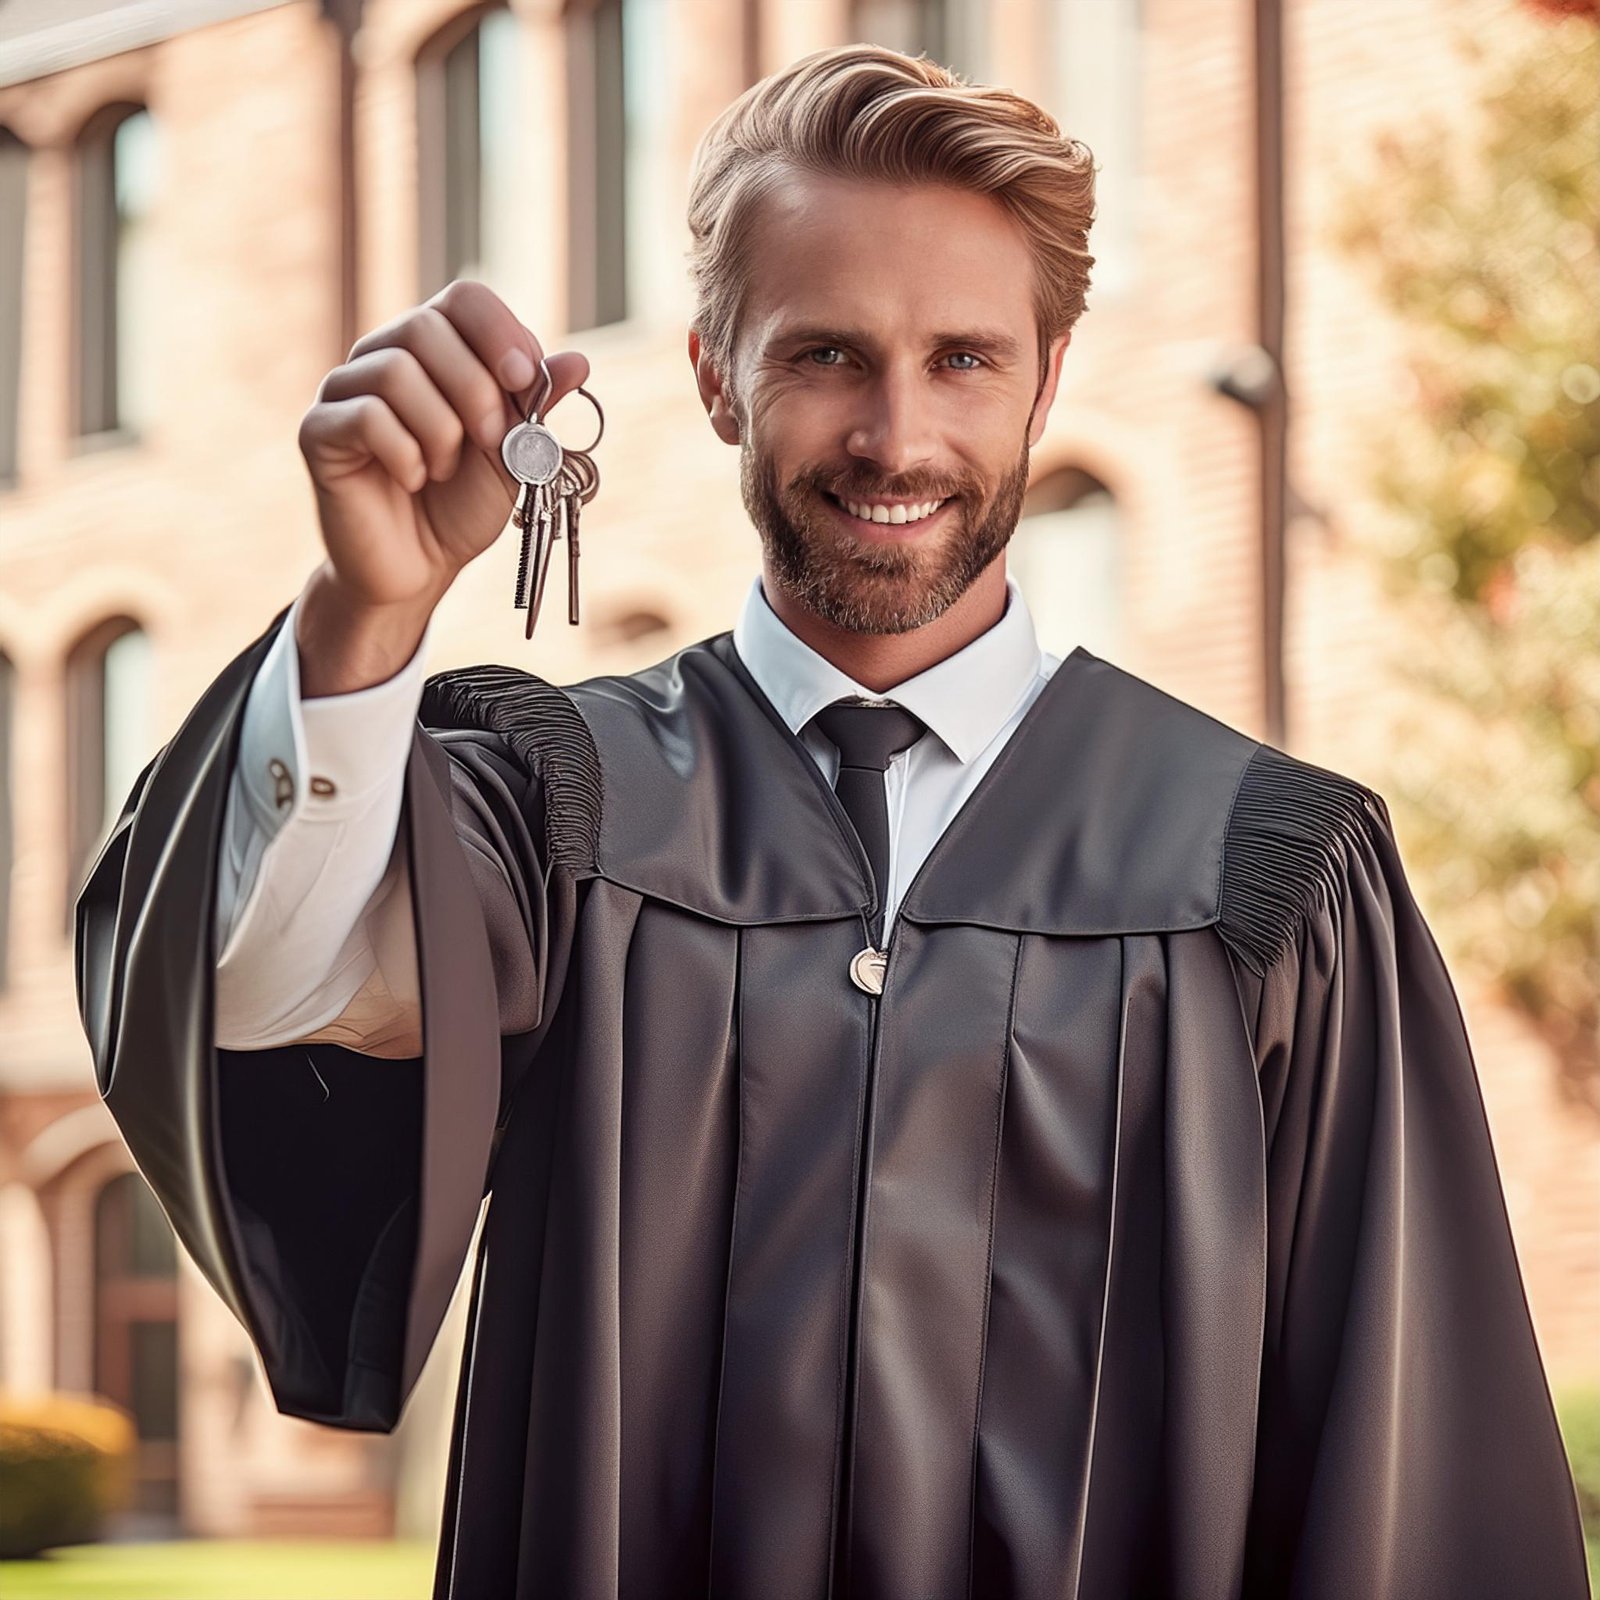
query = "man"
{"x": 955, "y": 1122}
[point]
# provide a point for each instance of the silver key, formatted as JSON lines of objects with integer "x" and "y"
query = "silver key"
{"x": 556, "y": 483}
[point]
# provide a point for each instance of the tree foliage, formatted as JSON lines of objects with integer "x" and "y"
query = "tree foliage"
{"x": 1488, "y": 249}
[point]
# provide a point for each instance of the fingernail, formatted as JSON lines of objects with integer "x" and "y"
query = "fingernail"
{"x": 516, "y": 370}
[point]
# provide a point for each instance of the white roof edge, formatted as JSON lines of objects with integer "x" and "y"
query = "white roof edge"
{"x": 56, "y": 47}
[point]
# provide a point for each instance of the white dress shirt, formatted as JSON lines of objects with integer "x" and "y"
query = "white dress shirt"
{"x": 308, "y": 860}
{"x": 971, "y": 702}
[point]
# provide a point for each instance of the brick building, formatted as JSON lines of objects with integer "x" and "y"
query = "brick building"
{"x": 204, "y": 203}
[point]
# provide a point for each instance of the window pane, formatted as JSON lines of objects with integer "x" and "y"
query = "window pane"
{"x": 136, "y": 175}
{"x": 127, "y": 718}
{"x": 97, "y": 290}
{"x": 512, "y": 227}
{"x": 649, "y": 188}
{"x": 13, "y": 221}
{"x": 153, "y": 1252}
{"x": 462, "y": 217}
{"x": 610, "y": 247}
{"x": 155, "y": 1378}
{"x": 501, "y": 195}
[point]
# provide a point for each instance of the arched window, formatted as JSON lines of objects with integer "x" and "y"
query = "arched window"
{"x": 1098, "y": 50}
{"x": 119, "y": 183}
{"x": 136, "y": 1330}
{"x": 108, "y": 734}
{"x": 13, "y": 220}
{"x": 953, "y": 33}
{"x": 1066, "y": 556}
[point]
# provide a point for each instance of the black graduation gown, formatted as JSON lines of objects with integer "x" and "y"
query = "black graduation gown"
{"x": 1144, "y": 1238}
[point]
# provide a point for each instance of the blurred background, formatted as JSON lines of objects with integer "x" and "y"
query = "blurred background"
{"x": 1325, "y": 462}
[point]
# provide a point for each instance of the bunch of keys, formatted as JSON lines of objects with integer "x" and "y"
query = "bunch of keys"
{"x": 556, "y": 484}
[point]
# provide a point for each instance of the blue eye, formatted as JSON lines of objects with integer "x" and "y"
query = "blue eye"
{"x": 822, "y": 349}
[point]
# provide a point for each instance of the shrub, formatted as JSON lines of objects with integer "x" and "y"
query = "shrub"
{"x": 65, "y": 1462}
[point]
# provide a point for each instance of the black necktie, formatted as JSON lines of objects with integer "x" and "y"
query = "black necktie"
{"x": 867, "y": 736}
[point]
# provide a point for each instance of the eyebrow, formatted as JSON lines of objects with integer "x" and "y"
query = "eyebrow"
{"x": 1001, "y": 346}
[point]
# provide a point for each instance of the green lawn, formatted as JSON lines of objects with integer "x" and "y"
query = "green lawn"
{"x": 201, "y": 1569}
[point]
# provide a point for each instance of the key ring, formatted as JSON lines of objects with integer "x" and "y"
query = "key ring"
{"x": 535, "y": 414}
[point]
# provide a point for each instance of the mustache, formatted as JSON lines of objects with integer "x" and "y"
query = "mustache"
{"x": 882, "y": 491}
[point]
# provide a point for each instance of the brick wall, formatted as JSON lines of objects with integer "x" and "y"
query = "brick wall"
{"x": 206, "y": 529}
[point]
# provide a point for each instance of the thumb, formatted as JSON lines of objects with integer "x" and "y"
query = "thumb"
{"x": 567, "y": 369}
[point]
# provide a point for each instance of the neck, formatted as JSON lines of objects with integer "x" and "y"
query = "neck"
{"x": 880, "y": 661}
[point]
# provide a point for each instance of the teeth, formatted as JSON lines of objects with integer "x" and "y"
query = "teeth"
{"x": 892, "y": 513}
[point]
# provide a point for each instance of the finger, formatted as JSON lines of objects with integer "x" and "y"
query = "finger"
{"x": 396, "y": 376}
{"x": 494, "y": 334}
{"x": 568, "y": 370}
{"x": 360, "y": 426}
{"x": 456, "y": 369}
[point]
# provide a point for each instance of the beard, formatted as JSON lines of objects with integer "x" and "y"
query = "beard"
{"x": 868, "y": 586}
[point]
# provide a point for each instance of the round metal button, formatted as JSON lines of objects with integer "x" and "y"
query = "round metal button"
{"x": 531, "y": 452}
{"x": 867, "y": 968}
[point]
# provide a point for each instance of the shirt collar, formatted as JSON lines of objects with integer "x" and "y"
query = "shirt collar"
{"x": 966, "y": 699}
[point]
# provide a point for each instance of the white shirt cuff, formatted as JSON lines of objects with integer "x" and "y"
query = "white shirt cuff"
{"x": 322, "y": 758}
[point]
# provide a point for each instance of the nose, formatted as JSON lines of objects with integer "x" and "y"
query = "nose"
{"x": 894, "y": 428}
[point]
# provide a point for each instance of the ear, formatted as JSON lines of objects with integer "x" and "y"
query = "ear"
{"x": 714, "y": 393}
{"x": 1047, "y": 395}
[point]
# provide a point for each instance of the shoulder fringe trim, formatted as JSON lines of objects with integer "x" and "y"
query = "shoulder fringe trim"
{"x": 544, "y": 729}
{"x": 1284, "y": 842}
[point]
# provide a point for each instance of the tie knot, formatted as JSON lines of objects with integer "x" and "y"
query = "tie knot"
{"x": 867, "y": 735}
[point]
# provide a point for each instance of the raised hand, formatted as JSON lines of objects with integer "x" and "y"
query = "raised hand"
{"x": 403, "y": 447}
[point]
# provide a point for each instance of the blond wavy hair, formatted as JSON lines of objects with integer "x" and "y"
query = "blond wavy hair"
{"x": 869, "y": 112}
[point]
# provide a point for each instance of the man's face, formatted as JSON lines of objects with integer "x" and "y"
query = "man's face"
{"x": 888, "y": 354}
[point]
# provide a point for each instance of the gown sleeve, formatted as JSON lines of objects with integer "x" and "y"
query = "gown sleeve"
{"x": 330, "y": 1196}
{"x": 1407, "y": 1446}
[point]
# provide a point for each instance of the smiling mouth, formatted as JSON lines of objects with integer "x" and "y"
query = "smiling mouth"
{"x": 888, "y": 526}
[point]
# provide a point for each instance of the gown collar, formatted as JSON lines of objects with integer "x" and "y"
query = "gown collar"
{"x": 1104, "y": 813}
